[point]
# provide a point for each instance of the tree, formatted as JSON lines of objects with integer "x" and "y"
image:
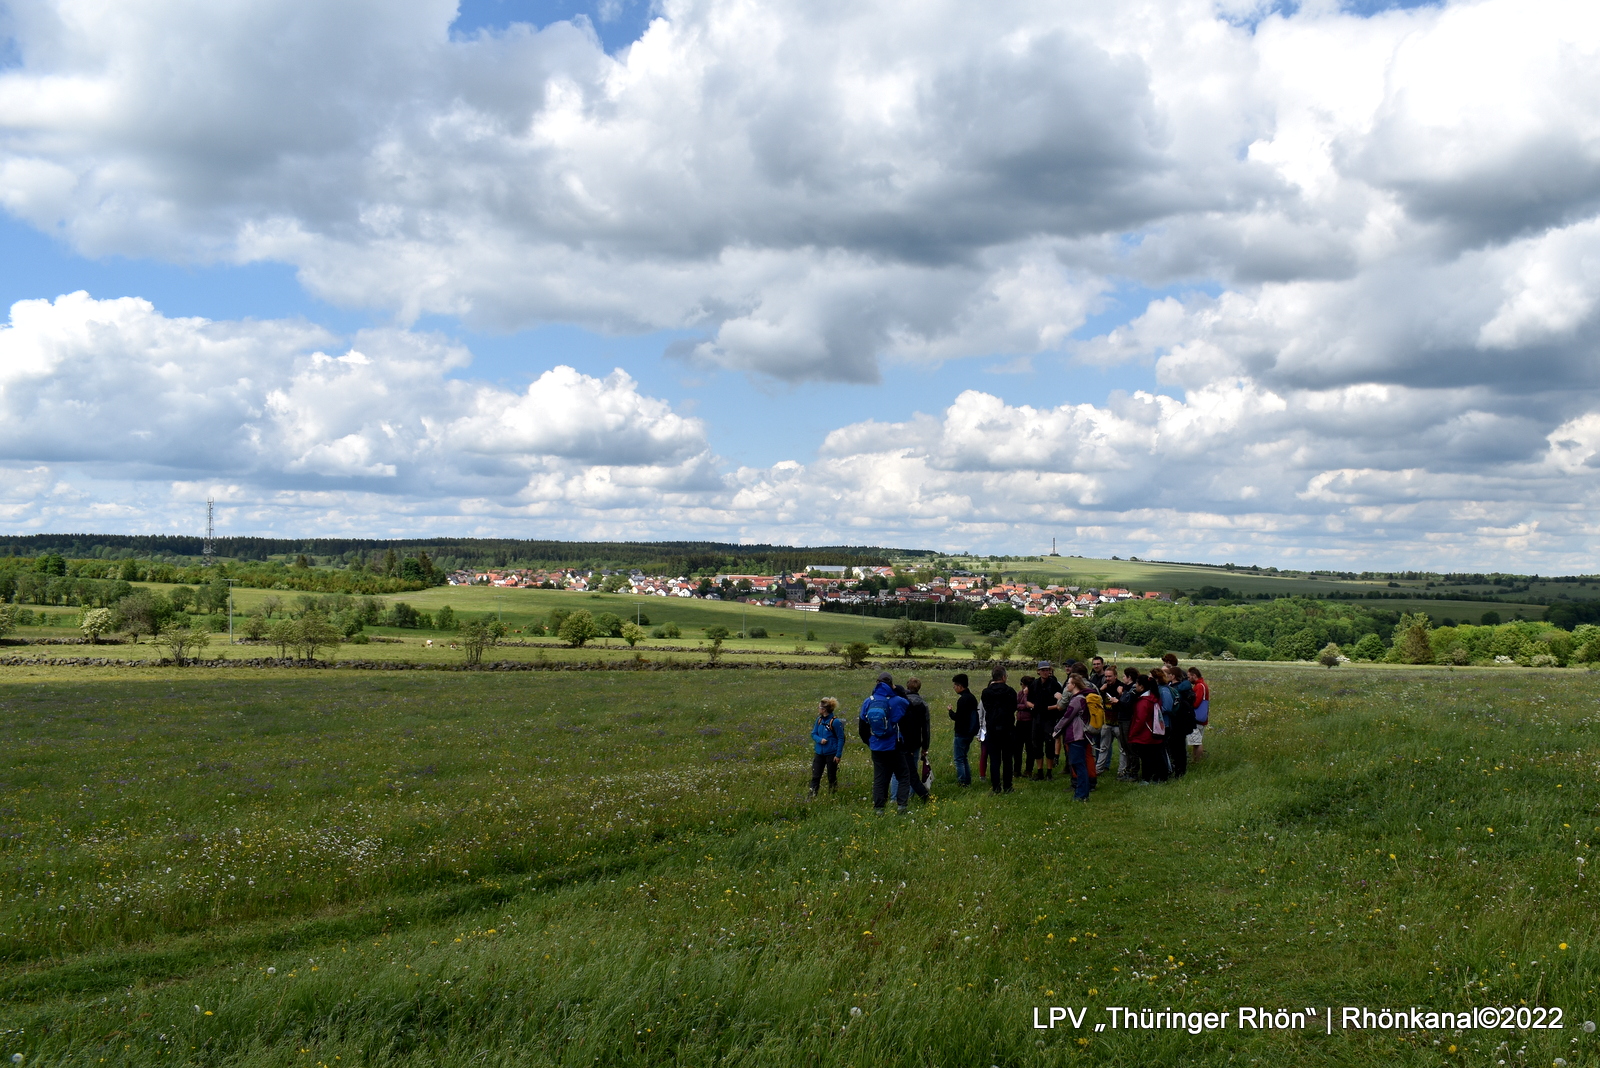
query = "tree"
{"x": 181, "y": 597}
{"x": 140, "y": 613}
{"x": 255, "y": 626}
{"x": 8, "y": 619}
{"x": 983, "y": 651}
{"x": 1329, "y": 657}
{"x": 51, "y": 564}
{"x": 609, "y": 624}
{"x": 1301, "y": 645}
{"x": 475, "y": 638}
{"x": 632, "y": 633}
{"x": 1490, "y": 619}
{"x": 998, "y": 617}
{"x": 578, "y": 628}
{"x": 855, "y": 654}
{"x": 282, "y": 634}
{"x": 271, "y": 606}
{"x": 1370, "y": 647}
{"x": 717, "y": 632}
{"x": 95, "y": 622}
{"x": 1057, "y": 638}
{"x": 183, "y": 642}
{"x": 1411, "y": 644}
{"x": 614, "y": 583}
{"x": 908, "y": 634}
{"x": 391, "y": 562}
{"x": 445, "y": 618}
{"x": 302, "y": 562}
{"x": 314, "y": 632}
{"x": 715, "y": 652}
{"x": 129, "y": 571}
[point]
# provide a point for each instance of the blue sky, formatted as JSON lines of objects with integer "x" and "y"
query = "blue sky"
{"x": 1223, "y": 280}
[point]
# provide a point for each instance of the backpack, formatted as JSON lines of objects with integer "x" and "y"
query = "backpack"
{"x": 822, "y": 732}
{"x": 1097, "y": 710}
{"x": 877, "y": 716}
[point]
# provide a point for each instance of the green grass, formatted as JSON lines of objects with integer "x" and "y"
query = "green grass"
{"x": 598, "y": 868}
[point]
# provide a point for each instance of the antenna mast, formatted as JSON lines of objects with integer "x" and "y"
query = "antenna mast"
{"x": 208, "y": 552}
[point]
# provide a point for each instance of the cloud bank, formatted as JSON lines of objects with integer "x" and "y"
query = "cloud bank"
{"x": 1397, "y": 218}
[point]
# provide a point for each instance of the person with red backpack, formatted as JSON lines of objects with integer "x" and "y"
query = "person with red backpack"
{"x": 1147, "y": 731}
{"x": 879, "y": 727}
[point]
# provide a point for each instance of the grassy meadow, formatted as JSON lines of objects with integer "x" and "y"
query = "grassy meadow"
{"x": 579, "y": 868}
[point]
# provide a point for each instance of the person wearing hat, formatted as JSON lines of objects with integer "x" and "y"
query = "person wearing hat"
{"x": 879, "y": 727}
{"x": 1043, "y": 693}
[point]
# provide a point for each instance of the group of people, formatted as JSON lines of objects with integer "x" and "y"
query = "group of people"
{"x": 1159, "y": 720}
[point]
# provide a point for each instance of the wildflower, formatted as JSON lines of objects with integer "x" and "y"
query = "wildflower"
{"x": 272, "y": 971}
{"x": 1562, "y": 946}
{"x": 855, "y": 1010}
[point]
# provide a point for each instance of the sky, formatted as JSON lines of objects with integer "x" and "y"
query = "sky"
{"x": 1306, "y": 284}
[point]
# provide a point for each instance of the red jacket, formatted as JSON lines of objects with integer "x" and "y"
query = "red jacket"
{"x": 1139, "y": 732}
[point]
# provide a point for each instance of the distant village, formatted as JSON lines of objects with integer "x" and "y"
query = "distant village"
{"x": 818, "y": 586}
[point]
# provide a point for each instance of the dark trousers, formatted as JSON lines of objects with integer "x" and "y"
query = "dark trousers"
{"x": 1017, "y": 746}
{"x": 1152, "y": 761}
{"x": 910, "y": 776}
{"x": 884, "y": 765}
{"x": 819, "y": 764}
{"x": 1177, "y": 752}
{"x": 1000, "y": 759}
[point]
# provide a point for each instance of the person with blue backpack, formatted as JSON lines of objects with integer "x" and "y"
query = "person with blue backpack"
{"x": 827, "y": 737}
{"x": 879, "y": 727}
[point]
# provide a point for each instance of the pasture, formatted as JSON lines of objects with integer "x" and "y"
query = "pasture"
{"x": 232, "y": 867}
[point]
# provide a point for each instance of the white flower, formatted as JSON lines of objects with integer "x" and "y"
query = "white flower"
{"x": 272, "y": 971}
{"x": 855, "y": 1010}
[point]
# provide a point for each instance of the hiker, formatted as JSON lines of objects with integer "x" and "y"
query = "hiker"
{"x": 1127, "y": 697}
{"x": 964, "y": 720}
{"x": 1105, "y": 677}
{"x": 916, "y": 730}
{"x": 1071, "y": 728}
{"x": 1145, "y": 732}
{"x": 1000, "y": 724}
{"x": 1044, "y": 693}
{"x": 879, "y": 727}
{"x": 1022, "y": 733}
{"x": 1202, "y": 713}
{"x": 1180, "y": 717}
{"x": 827, "y": 737}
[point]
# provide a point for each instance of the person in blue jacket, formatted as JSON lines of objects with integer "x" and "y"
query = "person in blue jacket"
{"x": 879, "y": 727}
{"x": 827, "y": 735}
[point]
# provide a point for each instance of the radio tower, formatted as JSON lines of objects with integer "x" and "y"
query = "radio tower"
{"x": 208, "y": 552}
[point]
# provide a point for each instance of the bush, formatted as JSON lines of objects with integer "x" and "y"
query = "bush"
{"x": 1253, "y": 651}
{"x": 811, "y": 635}
{"x": 1329, "y": 657}
{"x": 1370, "y": 647}
{"x": 579, "y": 627}
{"x": 756, "y": 632}
{"x": 983, "y": 651}
{"x": 1058, "y": 639}
{"x": 855, "y": 654}
{"x": 671, "y": 630}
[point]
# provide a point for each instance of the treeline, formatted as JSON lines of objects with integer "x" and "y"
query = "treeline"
{"x": 1305, "y": 629}
{"x": 665, "y": 557}
{"x": 54, "y": 580}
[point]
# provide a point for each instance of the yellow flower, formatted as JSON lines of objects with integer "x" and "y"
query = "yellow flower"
{"x": 1563, "y": 945}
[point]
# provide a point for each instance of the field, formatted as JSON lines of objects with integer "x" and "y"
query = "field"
{"x": 578, "y": 868}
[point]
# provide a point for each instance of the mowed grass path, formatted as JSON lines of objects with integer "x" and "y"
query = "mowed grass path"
{"x": 274, "y": 868}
